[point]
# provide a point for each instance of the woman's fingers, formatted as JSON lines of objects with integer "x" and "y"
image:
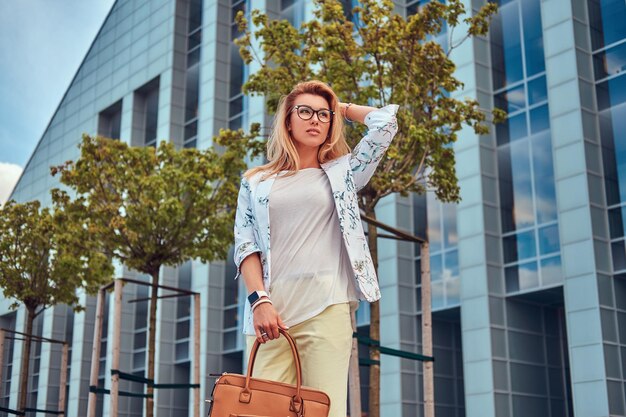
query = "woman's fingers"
{"x": 267, "y": 321}
{"x": 258, "y": 331}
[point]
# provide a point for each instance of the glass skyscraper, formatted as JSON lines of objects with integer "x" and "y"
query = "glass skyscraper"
{"x": 528, "y": 271}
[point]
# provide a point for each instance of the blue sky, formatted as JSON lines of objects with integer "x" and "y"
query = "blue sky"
{"x": 42, "y": 43}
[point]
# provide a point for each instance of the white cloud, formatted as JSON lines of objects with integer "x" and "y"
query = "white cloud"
{"x": 9, "y": 174}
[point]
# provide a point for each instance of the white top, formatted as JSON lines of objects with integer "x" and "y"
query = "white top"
{"x": 311, "y": 269}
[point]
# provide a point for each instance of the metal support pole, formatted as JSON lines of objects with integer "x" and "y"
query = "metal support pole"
{"x": 1, "y": 356}
{"x": 95, "y": 353}
{"x": 427, "y": 333}
{"x": 196, "y": 354}
{"x": 63, "y": 379}
{"x": 117, "y": 323}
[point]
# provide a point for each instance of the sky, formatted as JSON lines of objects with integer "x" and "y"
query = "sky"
{"x": 42, "y": 43}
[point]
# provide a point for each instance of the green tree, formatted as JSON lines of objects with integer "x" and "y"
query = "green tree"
{"x": 384, "y": 58}
{"x": 45, "y": 257}
{"x": 153, "y": 207}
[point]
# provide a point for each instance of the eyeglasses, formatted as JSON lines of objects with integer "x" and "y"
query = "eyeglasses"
{"x": 306, "y": 113}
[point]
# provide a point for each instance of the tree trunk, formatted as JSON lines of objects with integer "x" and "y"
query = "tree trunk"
{"x": 152, "y": 342}
{"x": 427, "y": 333}
{"x": 374, "y": 393}
{"x": 30, "y": 317}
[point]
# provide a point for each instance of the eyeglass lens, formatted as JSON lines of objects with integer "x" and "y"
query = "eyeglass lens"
{"x": 305, "y": 113}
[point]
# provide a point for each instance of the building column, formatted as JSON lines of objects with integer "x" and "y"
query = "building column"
{"x": 580, "y": 198}
{"x": 478, "y": 223}
{"x": 14, "y": 395}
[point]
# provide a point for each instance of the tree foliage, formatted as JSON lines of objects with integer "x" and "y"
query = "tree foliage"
{"x": 45, "y": 256}
{"x": 152, "y": 207}
{"x": 383, "y": 58}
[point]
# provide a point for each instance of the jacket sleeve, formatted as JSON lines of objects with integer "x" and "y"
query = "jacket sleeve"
{"x": 245, "y": 242}
{"x": 382, "y": 127}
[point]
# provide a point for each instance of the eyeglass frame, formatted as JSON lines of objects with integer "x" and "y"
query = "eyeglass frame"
{"x": 315, "y": 112}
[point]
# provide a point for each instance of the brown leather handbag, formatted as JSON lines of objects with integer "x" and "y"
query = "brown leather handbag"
{"x": 236, "y": 395}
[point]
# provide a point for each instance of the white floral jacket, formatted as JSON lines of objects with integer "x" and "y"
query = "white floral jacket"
{"x": 347, "y": 175}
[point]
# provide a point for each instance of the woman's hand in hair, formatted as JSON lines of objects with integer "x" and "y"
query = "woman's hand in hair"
{"x": 267, "y": 319}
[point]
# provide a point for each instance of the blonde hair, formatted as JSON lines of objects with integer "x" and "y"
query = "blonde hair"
{"x": 281, "y": 152}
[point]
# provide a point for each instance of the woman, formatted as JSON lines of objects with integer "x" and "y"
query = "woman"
{"x": 320, "y": 265}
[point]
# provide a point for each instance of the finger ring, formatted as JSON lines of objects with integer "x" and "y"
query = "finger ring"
{"x": 263, "y": 333}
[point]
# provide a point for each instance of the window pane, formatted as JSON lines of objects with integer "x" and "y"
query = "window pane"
{"x": 436, "y": 268}
{"x": 607, "y": 19}
{"x": 522, "y": 190}
{"x": 533, "y": 37}
{"x": 437, "y": 295}
{"x": 511, "y": 100}
{"x": 183, "y": 307}
{"x": 230, "y": 317}
{"x": 539, "y": 119}
{"x": 451, "y": 265}
{"x": 511, "y": 276}
{"x": 152, "y": 111}
{"x": 139, "y": 360}
{"x": 434, "y": 222}
{"x": 182, "y": 351}
{"x": 528, "y": 277}
{"x": 236, "y": 70}
{"x": 191, "y": 93}
{"x": 195, "y": 14}
{"x": 236, "y": 106}
{"x": 611, "y": 92}
{"x": 453, "y": 289}
{"x": 230, "y": 340}
{"x": 449, "y": 224}
{"x": 511, "y": 129}
{"x": 545, "y": 192}
{"x": 519, "y": 247}
{"x": 182, "y": 329}
{"x": 537, "y": 90}
{"x": 549, "y": 239}
{"x": 551, "y": 271}
{"x": 191, "y": 130}
{"x": 610, "y": 62}
{"x": 619, "y": 255}
{"x": 140, "y": 340}
{"x": 193, "y": 58}
{"x": 506, "y": 46}
{"x": 194, "y": 39}
{"x": 616, "y": 222}
{"x": 235, "y": 123}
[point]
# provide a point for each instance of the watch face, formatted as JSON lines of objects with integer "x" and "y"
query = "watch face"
{"x": 253, "y": 297}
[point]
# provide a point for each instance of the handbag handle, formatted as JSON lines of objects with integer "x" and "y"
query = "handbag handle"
{"x": 296, "y": 401}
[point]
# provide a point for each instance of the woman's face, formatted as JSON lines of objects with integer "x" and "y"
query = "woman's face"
{"x": 314, "y": 131}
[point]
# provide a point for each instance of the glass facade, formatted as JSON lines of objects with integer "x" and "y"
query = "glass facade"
{"x": 110, "y": 121}
{"x": 192, "y": 76}
{"x": 438, "y": 223}
{"x": 7, "y": 321}
{"x": 238, "y": 70}
{"x": 608, "y": 44}
{"x": 526, "y": 173}
{"x": 146, "y": 114}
